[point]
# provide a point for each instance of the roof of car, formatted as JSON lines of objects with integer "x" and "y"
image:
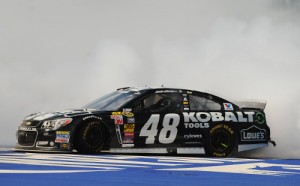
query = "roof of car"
{"x": 168, "y": 90}
{"x": 148, "y": 88}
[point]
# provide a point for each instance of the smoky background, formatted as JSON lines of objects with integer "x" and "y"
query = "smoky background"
{"x": 57, "y": 55}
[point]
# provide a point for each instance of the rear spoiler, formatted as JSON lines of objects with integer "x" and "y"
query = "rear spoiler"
{"x": 251, "y": 104}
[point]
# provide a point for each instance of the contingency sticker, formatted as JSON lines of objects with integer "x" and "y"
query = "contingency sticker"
{"x": 128, "y": 133}
{"x": 118, "y": 119}
{"x": 62, "y": 137}
{"x": 127, "y": 112}
{"x": 228, "y": 106}
{"x": 185, "y": 102}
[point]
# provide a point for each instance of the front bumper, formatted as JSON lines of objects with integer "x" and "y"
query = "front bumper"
{"x": 34, "y": 139}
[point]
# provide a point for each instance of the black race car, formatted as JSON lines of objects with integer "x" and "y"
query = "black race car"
{"x": 150, "y": 120}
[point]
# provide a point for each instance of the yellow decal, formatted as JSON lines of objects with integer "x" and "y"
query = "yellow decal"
{"x": 129, "y": 126}
{"x": 64, "y": 145}
{"x": 62, "y": 132}
{"x": 129, "y": 130}
{"x": 116, "y": 113}
{"x": 128, "y": 114}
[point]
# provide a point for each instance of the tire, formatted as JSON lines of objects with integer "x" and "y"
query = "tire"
{"x": 90, "y": 138}
{"x": 221, "y": 141}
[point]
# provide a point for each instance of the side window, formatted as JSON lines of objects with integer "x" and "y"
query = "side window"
{"x": 198, "y": 103}
{"x": 152, "y": 100}
{"x": 160, "y": 103}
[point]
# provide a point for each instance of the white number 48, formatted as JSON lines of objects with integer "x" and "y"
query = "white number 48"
{"x": 168, "y": 132}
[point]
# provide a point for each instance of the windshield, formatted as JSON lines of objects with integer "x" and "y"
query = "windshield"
{"x": 112, "y": 101}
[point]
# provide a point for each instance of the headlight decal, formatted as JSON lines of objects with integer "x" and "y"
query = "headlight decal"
{"x": 55, "y": 124}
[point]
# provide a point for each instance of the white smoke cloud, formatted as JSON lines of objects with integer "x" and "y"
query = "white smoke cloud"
{"x": 57, "y": 55}
{"x": 246, "y": 59}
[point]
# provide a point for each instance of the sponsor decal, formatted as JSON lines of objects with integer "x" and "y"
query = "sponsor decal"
{"x": 42, "y": 142}
{"x": 192, "y": 139}
{"x": 118, "y": 119}
{"x": 27, "y": 128}
{"x": 129, "y": 128}
{"x": 64, "y": 145}
{"x": 260, "y": 118}
{"x": 126, "y": 126}
{"x": 116, "y": 113}
{"x": 127, "y": 110}
{"x": 130, "y": 120}
{"x": 185, "y": 99}
{"x": 62, "y": 136}
{"x": 186, "y": 107}
{"x": 62, "y": 140}
{"x": 192, "y": 142}
{"x": 192, "y": 136}
{"x": 91, "y": 117}
{"x": 128, "y": 114}
{"x": 253, "y": 133}
{"x": 228, "y": 106}
{"x": 63, "y": 132}
{"x": 185, "y": 102}
{"x": 128, "y": 134}
{"x": 203, "y": 117}
{"x": 127, "y": 145}
{"x": 196, "y": 125}
{"x": 127, "y": 140}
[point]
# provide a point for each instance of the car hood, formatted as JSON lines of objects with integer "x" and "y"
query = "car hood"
{"x": 54, "y": 115}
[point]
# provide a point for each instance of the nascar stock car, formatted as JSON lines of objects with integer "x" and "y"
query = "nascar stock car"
{"x": 150, "y": 120}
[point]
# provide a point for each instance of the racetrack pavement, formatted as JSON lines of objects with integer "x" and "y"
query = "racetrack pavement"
{"x": 21, "y": 168}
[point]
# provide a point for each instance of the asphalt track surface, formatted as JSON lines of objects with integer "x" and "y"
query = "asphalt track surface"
{"x": 22, "y": 169}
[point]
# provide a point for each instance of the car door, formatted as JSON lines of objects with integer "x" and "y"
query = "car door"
{"x": 158, "y": 118}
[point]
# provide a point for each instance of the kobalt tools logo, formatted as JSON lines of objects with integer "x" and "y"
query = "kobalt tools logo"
{"x": 253, "y": 134}
{"x": 196, "y": 125}
{"x": 218, "y": 116}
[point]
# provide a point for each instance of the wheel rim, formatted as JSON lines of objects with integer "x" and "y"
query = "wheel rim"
{"x": 220, "y": 141}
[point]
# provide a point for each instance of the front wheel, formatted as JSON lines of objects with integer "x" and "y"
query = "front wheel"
{"x": 221, "y": 141}
{"x": 90, "y": 138}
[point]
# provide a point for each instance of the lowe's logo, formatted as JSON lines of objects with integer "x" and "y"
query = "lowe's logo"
{"x": 253, "y": 133}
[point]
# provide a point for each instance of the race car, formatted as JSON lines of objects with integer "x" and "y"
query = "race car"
{"x": 150, "y": 120}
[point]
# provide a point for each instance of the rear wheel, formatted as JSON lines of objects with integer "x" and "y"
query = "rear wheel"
{"x": 221, "y": 141}
{"x": 90, "y": 138}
